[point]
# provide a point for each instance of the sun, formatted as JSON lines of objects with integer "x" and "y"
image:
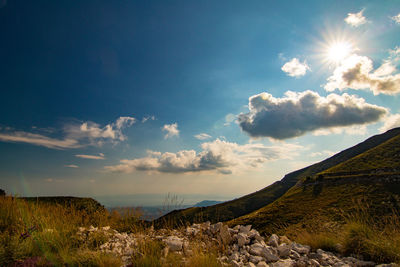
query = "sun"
{"x": 338, "y": 51}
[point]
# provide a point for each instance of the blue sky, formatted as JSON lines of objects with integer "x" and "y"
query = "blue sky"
{"x": 105, "y": 98}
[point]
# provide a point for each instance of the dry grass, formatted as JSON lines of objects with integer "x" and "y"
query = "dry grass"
{"x": 48, "y": 232}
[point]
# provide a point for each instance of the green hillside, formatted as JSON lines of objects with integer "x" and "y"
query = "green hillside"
{"x": 249, "y": 203}
{"x": 372, "y": 177}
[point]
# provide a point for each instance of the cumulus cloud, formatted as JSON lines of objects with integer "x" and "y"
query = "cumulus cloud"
{"x": 396, "y": 18}
{"x": 74, "y": 135}
{"x": 295, "y": 68}
{"x": 71, "y": 166}
{"x": 96, "y": 134}
{"x": 355, "y": 19}
{"x": 356, "y": 72}
{"x": 202, "y": 136}
{"x": 100, "y": 156}
{"x": 171, "y": 130}
{"x": 299, "y": 113}
{"x": 219, "y": 155}
{"x": 38, "y": 140}
{"x": 391, "y": 121}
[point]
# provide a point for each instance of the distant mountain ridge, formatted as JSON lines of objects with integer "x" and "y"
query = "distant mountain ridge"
{"x": 245, "y": 205}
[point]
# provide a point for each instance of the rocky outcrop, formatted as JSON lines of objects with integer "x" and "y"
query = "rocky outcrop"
{"x": 241, "y": 246}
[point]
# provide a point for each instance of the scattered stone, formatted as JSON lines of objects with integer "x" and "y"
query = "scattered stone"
{"x": 273, "y": 240}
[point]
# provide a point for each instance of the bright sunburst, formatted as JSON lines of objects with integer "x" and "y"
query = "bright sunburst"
{"x": 337, "y": 52}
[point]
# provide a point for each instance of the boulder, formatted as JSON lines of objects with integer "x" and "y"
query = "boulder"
{"x": 273, "y": 240}
{"x": 284, "y": 263}
{"x": 174, "y": 243}
{"x": 242, "y": 239}
{"x": 283, "y": 250}
{"x": 224, "y": 235}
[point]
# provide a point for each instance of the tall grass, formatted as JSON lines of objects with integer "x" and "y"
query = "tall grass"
{"x": 47, "y": 231}
{"x": 364, "y": 234}
{"x": 47, "y": 234}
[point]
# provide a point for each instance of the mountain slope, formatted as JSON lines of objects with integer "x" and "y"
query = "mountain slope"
{"x": 369, "y": 181}
{"x": 246, "y": 204}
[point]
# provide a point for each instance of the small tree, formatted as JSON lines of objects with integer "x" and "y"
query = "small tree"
{"x": 2, "y": 193}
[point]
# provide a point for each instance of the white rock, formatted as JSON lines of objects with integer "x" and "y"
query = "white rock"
{"x": 174, "y": 243}
{"x": 215, "y": 228}
{"x": 284, "y": 250}
{"x": 234, "y": 256}
{"x": 284, "y": 263}
{"x": 255, "y": 259}
{"x": 302, "y": 249}
{"x": 242, "y": 239}
{"x": 224, "y": 235}
{"x": 250, "y": 264}
{"x": 273, "y": 240}
{"x": 235, "y": 263}
{"x": 244, "y": 229}
{"x": 262, "y": 264}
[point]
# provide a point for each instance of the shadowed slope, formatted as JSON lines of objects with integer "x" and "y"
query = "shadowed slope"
{"x": 246, "y": 204}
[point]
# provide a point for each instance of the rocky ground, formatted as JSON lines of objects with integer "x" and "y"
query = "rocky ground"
{"x": 238, "y": 246}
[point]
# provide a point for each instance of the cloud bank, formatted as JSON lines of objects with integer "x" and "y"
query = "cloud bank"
{"x": 171, "y": 130}
{"x": 38, "y": 140}
{"x": 220, "y": 156}
{"x": 295, "y": 68}
{"x": 355, "y": 19}
{"x": 299, "y": 113}
{"x": 356, "y": 72}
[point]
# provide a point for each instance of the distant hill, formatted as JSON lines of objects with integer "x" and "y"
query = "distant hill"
{"x": 370, "y": 181}
{"x": 239, "y": 207}
{"x": 206, "y": 203}
{"x": 90, "y": 205}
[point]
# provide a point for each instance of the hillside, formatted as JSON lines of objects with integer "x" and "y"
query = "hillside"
{"x": 89, "y": 205}
{"x": 249, "y": 203}
{"x": 369, "y": 181}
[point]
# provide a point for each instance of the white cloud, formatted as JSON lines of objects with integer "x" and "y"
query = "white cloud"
{"x": 391, "y": 121}
{"x": 71, "y": 166}
{"x": 355, "y": 19}
{"x": 171, "y": 129}
{"x": 295, "y": 68}
{"x": 356, "y": 72}
{"x": 96, "y": 134}
{"x": 229, "y": 118}
{"x": 396, "y": 18}
{"x": 218, "y": 155}
{"x": 299, "y": 113}
{"x": 38, "y": 140}
{"x": 202, "y": 136}
{"x": 100, "y": 156}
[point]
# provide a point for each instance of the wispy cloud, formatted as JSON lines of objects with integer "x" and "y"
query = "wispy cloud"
{"x": 71, "y": 166}
{"x": 295, "y": 68}
{"x": 202, "y": 136}
{"x": 356, "y": 19}
{"x": 38, "y": 140}
{"x": 100, "y": 156}
{"x": 171, "y": 130}
{"x": 299, "y": 113}
{"x": 356, "y": 72}
{"x": 147, "y": 118}
{"x": 74, "y": 135}
{"x": 220, "y": 156}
